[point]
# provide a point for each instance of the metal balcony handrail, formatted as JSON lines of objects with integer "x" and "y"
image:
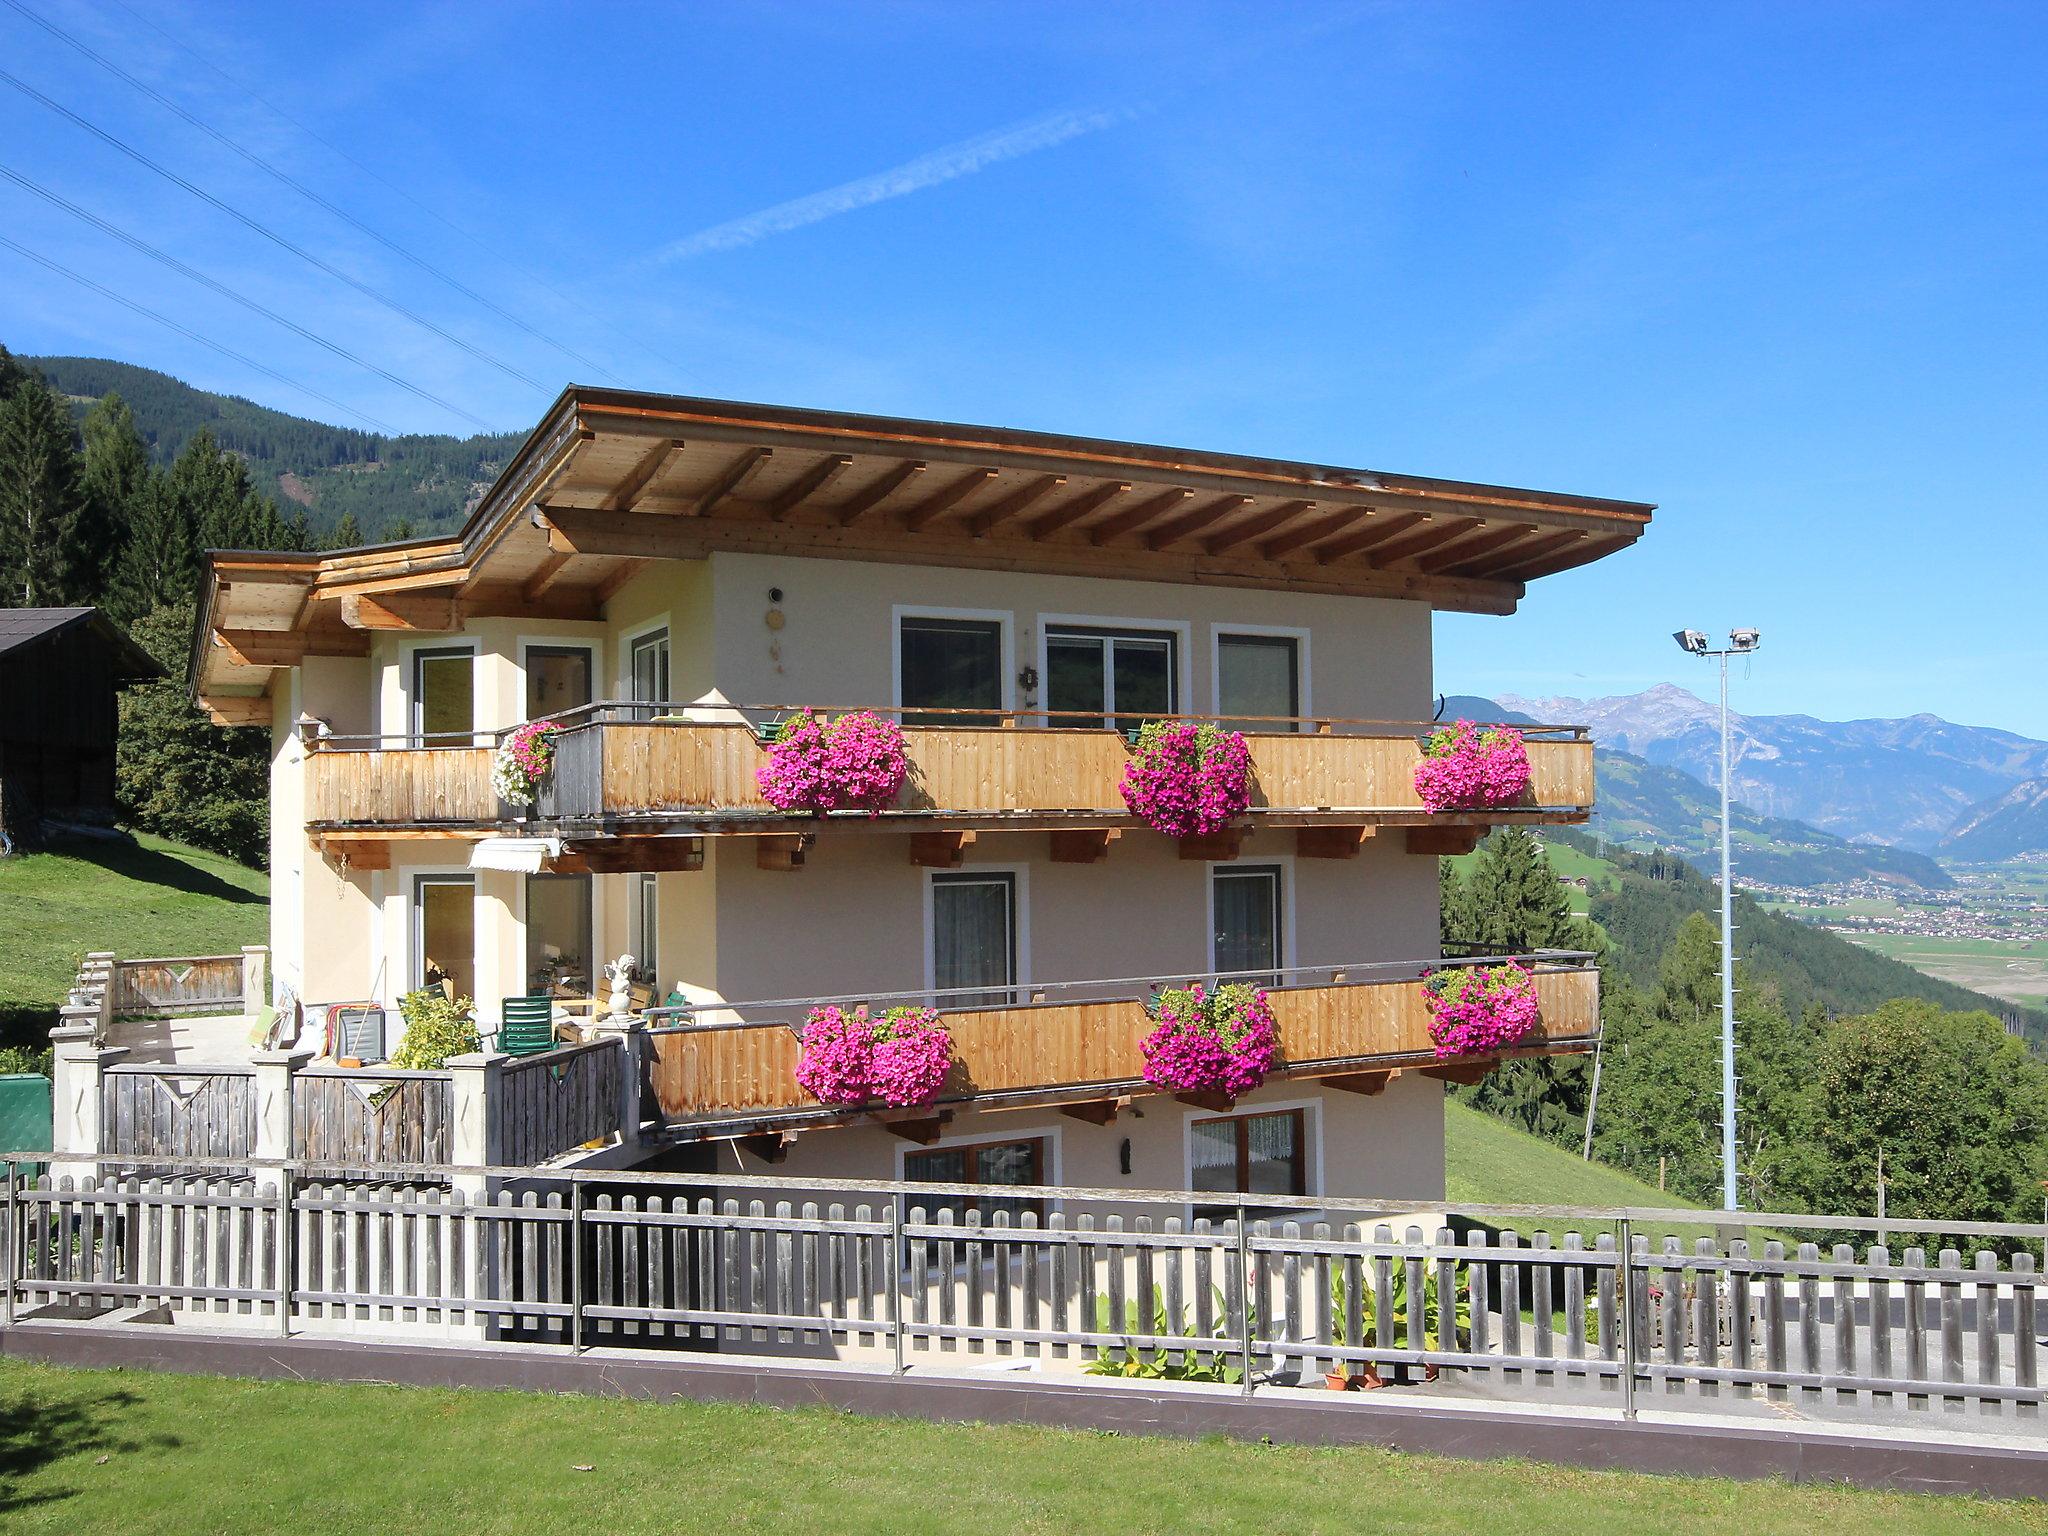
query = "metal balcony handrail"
{"x": 759, "y": 717}
{"x": 1105, "y": 989}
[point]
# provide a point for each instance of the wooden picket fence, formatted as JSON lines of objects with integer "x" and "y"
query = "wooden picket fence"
{"x": 870, "y": 1271}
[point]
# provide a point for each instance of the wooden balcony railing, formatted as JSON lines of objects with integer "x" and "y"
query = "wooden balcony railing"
{"x": 613, "y": 766}
{"x": 737, "y": 1063}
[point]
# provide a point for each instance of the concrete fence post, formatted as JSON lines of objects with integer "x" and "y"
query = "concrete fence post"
{"x": 475, "y": 1139}
{"x": 78, "y": 1070}
{"x": 274, "y": 1073}
{"x": 255, "y": 976}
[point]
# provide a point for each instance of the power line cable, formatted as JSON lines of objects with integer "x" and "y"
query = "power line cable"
{"x": 480, "y": 242}
{"x": 300, "y": 187}
{"x": 136, "y": 243}
{"x": 268, "y": 233}
{"x": 186, "y": 331}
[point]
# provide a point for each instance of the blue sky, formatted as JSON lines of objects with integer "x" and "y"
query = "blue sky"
{"x": 1779, "y": 269}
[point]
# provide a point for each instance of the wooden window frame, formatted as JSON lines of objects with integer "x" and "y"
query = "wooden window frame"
{"x": 1207, "y": 1200}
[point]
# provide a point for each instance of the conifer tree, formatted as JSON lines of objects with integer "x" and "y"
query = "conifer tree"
{"x": 347, "y": 534}
{"x": 40, "y": 500}
{"x": 114, "y": 467}
{"x": 158, "y": 564}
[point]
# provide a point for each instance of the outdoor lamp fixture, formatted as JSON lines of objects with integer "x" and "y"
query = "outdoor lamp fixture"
{"x": 1740, "y": 643}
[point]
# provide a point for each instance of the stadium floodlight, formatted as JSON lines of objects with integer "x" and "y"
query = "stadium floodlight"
{"x": 1691, "y": 640}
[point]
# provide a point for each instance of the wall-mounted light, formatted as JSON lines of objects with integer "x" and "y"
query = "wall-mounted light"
{"x": 1028, "y": 679}
{"x": 1123, "y": 1157}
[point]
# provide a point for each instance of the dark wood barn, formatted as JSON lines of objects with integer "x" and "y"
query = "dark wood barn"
{"x": 60, "y": 672}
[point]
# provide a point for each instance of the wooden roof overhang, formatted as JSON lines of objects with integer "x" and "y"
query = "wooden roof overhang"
{"x": 612, "y": 479}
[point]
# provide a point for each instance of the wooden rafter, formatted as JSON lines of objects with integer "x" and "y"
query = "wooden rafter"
{"x": 238, "y": 708}
{"x": 645, "y": 471}
{"x": 1434, "y": 535}
{"x": 1313, "y": 533}
{"x": 808, "y": 484}
{"x": 1537, "y": 550}
{"x": 1383, "y": 531}
{"x": 1080, "y": 507}
{"x": 1472, "y": 548}
{"x": 865, "y": 501}
{"x": 1193, "y": 521}
{"x": 1015, "y": 504}
{"x": 607, "y": 589}
{"x": 1145, "y": 512}
{"x": 287, "y": 648}
{"x": 549, "y": 572}
{"x": 1255, "y": 528}
{"x": 1577, "y": 553}
{"x": 737, "y": 474}
{"x": 402, "y": 610}
{"x": 939, "y": 503}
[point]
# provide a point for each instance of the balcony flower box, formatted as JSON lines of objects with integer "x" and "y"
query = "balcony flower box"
{"x": 524, "y": 760}
{"x": 1220, "y": 1041}
{"x": 1188, "y": 780}
{"x": 857, "y": 762}
{"x": 1480, "y": 1010}
{"x": 850, "y": 1058}
{"x": 1466, "y": 767}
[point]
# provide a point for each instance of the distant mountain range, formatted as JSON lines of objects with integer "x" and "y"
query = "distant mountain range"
{"x": 427, "y": 482}
{"x": 1909, "y": 783}
{"x": 1652, "y": 805}
{"x": 2011, "y": 823}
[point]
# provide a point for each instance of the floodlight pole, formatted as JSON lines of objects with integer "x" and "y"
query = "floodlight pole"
{"x": 1740, "y": 642}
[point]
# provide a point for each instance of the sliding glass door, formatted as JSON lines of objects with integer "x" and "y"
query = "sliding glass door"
{"x": 1110, "y": 677}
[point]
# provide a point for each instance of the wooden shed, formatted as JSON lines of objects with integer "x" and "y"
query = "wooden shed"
{"x": 61, "y": 670}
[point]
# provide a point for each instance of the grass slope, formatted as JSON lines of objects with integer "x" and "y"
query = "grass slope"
{"x": 142, "y": 897}
{"x": 124, "y": 1451}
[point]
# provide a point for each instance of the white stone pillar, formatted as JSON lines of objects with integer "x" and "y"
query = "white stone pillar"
{"x": 274, "y": 1072}
{"x": 255, "y": 976}
{"x": 78, "y": 1070}
{"x": 474, "y": 1137}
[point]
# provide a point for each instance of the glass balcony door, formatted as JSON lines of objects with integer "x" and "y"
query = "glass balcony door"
{"x": 1111, "y": 677}
{"x": 1247, "y": 935}
{"x": 558, "y": 679}
{"x": 647, "y": 671}
{"x": 974, "y": 939}
{"x": 945, "y": 665}
{"x": 443, "y": 697}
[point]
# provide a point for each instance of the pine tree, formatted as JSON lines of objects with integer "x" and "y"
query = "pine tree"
{"x": 346, "y": 534}
{"x": 115, "y": 466}
{"x": 158, "y": 565}
{"x": 398, "y": 530}
{"x": 40, "y": 500}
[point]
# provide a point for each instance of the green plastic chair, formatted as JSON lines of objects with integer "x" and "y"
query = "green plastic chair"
{"x": 528, "y": 1026}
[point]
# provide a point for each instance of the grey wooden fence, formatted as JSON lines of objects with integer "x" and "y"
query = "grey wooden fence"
{"x": 199, "y": 984}
{"x": 376, "y": 1117}
{"x": 552, "y": 1103}
{"x": 867, "y": 1271}
{"x": 204, "y": 1112}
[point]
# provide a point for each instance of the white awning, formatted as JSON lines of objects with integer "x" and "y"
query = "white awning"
{"x": 529, "y": 855}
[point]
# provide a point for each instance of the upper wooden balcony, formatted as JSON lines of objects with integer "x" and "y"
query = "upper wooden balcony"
{"x": 625, "y": 769}
{"x": 731, "y": 1069}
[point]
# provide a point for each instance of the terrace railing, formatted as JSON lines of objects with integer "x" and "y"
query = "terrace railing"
{"x": 616, "y": 761}
{"x": 734, "y": 1062}
{"x": 1530, "y": 1302}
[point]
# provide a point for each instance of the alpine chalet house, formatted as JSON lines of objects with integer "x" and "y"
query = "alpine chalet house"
{"x": 674, "y": 582}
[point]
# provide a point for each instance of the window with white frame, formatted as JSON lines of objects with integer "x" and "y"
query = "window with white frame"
{"x": 974, "y": 938}
{"x": 948, "y": 664}
{"x": 444, "y": 933}
{"x": 443, "y": 696}
{"x": 647, "y": 668}
{"x": 1248, "y": 1155}
{"x": 1258, "y": 677}
{"x": 1120, "y": 677}
{"x": 558, "y": 679}
{"x": 643, "y": 929}
{"x": 1248, "y": 923}
{"x": 559, "y": 959}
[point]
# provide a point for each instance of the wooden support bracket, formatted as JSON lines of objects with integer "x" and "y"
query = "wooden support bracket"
{"x": 1463, "y": 1073}
{"x": 1208, "y": 1099}
{"x": 1097, "y": 1111}
{"x": 768, "y": 1146}
{"x": 632, "y": 855}
{"x": 1444, "y": 840}
{"x": 1087, "y": 845}
{"x": 780, "y": 852}
{"x": 1330, "y": 842}
{"x": 939, "y": 850}
{"x": 238, "y": 709}
{"x": 922, "y": 1129}
{"x": 1367, "y": 1083}
{"x": 356, "y": 853}
{"x": 1217, "y": 847}
{"x": 402, "y": 610}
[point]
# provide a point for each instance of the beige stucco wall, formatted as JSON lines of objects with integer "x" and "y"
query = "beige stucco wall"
{"x": 1388, "y": 1146}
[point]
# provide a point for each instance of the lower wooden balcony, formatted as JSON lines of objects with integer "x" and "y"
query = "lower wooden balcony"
{"x": 618, "y": 773}
{"x": 725, "y": 1070}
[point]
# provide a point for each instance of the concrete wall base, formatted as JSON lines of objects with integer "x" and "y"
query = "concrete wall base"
{"x": 1890, "y": 1459}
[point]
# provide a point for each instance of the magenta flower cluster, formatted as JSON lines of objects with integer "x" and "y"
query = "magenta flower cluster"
{"x": 850, "y": 1057}
{"x": 1188, "y": 780}
{"x": 854, "y": 763}
{"x": 1465, "y": 767}
{"x": 1477, "y": 1010}
{"x": 523, "y": 759}
{"x": 1222, "y": 1041}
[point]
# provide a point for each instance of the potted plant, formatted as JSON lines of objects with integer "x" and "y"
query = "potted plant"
{"x": 524, "y": 760}
{"x": 1371, "y": 1333}
{"x": 857, "y": 762}
{"x": 1187, "y": 780}
{"x": 1476, "y": 1010}
{"x": 1221, "y": 1041}
{"x": 1467, "y": 767}
{"x": 850, "y": 1057}
{"x": 436, "y": 1027}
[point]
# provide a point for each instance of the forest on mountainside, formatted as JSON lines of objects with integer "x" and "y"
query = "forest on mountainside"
{"x": 413, "y": 483}
{"x": 1956, "y": 1106}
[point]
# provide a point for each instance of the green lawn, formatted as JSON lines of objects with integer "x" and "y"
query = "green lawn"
{"x": 146, "y": 897}
{"x": 129, "y": 1451}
